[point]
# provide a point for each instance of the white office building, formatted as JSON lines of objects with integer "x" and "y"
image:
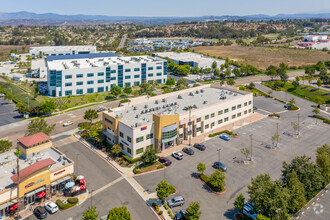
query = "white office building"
{"x": 192, "y": 59}
{"x": 167, "y": 120}
{"x": 90, "y": 73}
{"x": 62, "y": 50}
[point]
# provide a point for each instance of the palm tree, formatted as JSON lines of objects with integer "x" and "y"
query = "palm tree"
{"x": 18, "y": 153}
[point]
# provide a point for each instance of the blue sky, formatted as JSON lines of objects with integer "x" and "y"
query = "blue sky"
{"x": 179, "y": 8}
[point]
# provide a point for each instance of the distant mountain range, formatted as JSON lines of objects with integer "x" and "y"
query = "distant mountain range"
{"x": 29, "y": 18}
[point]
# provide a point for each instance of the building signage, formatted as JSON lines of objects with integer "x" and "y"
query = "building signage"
{"x": 34, "y": 183}
{"x": 108, "y": 120}
{"x": 144, "y": 128}
{"x": 59, "y": 172}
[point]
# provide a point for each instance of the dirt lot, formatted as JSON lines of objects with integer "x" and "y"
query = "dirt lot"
{"x": 5, "y": 50}
{"x": 263, "y": 57}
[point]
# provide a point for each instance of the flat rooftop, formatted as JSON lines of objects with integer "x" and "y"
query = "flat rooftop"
{"x": 186, "y": 57}
{"x": 62, "y": 48}
{"x": 62, "y": 64}
{"x": 38, "y": 63}
{"x": 8, "y": 164}
{"x": 142, "y": 113}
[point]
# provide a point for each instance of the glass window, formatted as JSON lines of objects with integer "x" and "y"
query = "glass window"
{"x": 129, "y": 150}
{"x": 90, "y": 90}
{"x": 68, "y": 92}
{"x": 100, "y": 74}
{"x": 136, "y": 69}
{"x": 121, "y": 134}
{"x": 180, "y": 135}
{"x": 139, "y": 151}
{"x": 150, "y": 68}
{"x": 199, "y": 119}
{"x": 149, "y": 136}
{"x": 127, "y": 77}
{"x": 249, "y": 110}
{"x": 220, "y": 121}
{"x": 68, "y": 76}
{"x": 100, "y": 81}
{"x": 136, "y": 76}
{"x": 207, "y": 126}
{"x": 150, "y": 75}
{"x": 159, "y": 67}
{"x": 159, "y": 74}
{"x": 127, "y": 70}
{"x": 233, "y": 108}
{"x": 212, "y": 124}
{"x": 250, "y": 102}
{"x": 220, "y": 112}
{"x": 90, "y": 74}
{"x": 245, "y": 103}
{"x": 139, "y": 139}
{"x": 226, "y": 119}
{"x": 239, "y": 106}
{"x": 169, "y": 134}
{"x": 233, "y": 116}
{"x": 80, "y": 75}
{"x": 226, "y": 110}
{"x": 207, "y": 117}
{"x": 68, "y": 84}
{"x": 79, "y": 83}
{"x": 90, "y": 82}
{"x": 198, "y": 129}
{"x": 113, "y": 78}
{"x": 180, "y": 126}
{"x": 129, "y": 139}
{"x": 113, "y": 71}
{"x": 100, "y": 89}
{"x": 239, "y": 114}
{"x": 79, "y": 92}
{"x": 212, "y": 115}
{"x": 245, "y": 112}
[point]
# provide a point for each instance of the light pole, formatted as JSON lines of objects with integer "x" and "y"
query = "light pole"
{"x": 276, "y": 134}
{"x": 77, "y": 155}
{"x": 92, "y": 198}
{"x": 28, "y": 98}
{"x": 219, "y": 150}
{"x": 164, "y": 173}
{"x": 251, "y": 147}
{"x": 298, "y": 125}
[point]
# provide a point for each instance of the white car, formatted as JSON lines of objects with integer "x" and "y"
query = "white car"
{"x": 51, "y": 207}
{"x": 67, "y": 123}
{"x": 177, "y": 155}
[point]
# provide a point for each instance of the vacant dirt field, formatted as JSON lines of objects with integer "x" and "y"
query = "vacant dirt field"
{"x": 263, "y": 57}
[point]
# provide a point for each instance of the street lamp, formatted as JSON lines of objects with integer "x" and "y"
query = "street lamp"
{"x": 298, "y": 125}
{"x": 219, "y": 153}
{"x": 28, "y": 98}
{"x": 77, "y": 155}
{"x": 92, "y": 198}
{"x": 251, "y": 147}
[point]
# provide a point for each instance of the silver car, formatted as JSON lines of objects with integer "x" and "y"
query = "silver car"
{"x": 51, "y": 207}
{"x": 176, "y": 201}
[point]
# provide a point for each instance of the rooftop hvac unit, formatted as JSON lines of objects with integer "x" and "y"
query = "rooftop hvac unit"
{"x": 137, "y": 116}
{"x": 164, "y": 106}
{"x": 202, "y": 90}
{"x": 142, "y": 112}
{"x": 163, "y": 100}
{"x": 172, "y": 104}
{"x": 195, "y": 106}
{"x": 179, "y": 97}
{"x": 175, "y": 103}
{"x": 235, "y": 94}
{"x": 134, "y": 108}
{"x": 145, "y": 106}
{"x": 185, "y": 108}
{"x": 205, "y": 102}
{"x": 197, "y": 92}
{"x": 156, "y": 102}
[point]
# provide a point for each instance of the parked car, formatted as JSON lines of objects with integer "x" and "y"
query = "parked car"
{"x": 219, "y": 165}
{"x": 101, "y": 109}
{"x": 249, "y": 211}
{"x": 40, "y": 212}
{"x": 51, "y": 207}
{"x": 200, "y": 146}
{"x": 255, "y": 107}
{"x": 287, "y": 106}
{"x": 177, "y": 155}
{"x": 225, "y": 137}
{"x": 189, "y": 151}
{"x": 180, "y": 215}
{"x": 165, "y": 161}
{"x": 176, "y": 201}
{"x": 68, "y": 123}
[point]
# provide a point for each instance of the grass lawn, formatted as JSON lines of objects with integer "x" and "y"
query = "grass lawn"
{"x": 142, "y": 169}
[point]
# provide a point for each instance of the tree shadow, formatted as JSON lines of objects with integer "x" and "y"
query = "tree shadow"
{"x": 229, "y": 214}
{"x": 194, "y": 175}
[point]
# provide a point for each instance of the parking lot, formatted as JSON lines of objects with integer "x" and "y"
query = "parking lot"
{"x": 238, "y": 176}
{"x": 7, "y": 113}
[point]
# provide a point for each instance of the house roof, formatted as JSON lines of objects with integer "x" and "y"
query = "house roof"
{"x": 34, "y": 139}
{"x": 32, "y": 169}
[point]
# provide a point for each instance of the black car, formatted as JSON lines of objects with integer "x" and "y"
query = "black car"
{"x": 219, "y": 165}
{"x": 188, "y": 151}
{"x": 40, "y": 212}
{"x": 200, "y": 146}
{"x": 101, "y": 109}
{"x": 180, "y": 215}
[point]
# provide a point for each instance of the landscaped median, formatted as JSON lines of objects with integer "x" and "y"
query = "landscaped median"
{"x": 69, "y": 203}
{"x": 274, "y": 115}
{"x": 221, "y": 132}
{"x": 325, "y": 120}
{"x": 142, "y": 168}
{"x": 215, "y": 182}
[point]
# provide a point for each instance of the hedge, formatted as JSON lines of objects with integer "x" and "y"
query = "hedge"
{"x": 325, "y": 120}
{"x": 280, "y": 100}
{"x": 160, "y": 166}
{"x": 225, "y": 131}
{"x": 274, "y": 114}
{"x": 170, "y": 213}
{"x": 293, "y": 107}
{"x": 206, "y": 179}
{"x": 166, "y": 206}
{"x": 73, "y": 200}
{"x": 67, "y": 205}
{"x": 136, "y": 171}
{"x": 130, "y": 160}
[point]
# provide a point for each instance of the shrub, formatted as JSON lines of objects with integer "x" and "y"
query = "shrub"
{"x": 274, "y": 114}
{"x": 204, "y": 178}
{"x": 293, "y": 107}
{"x": 73, "y": 200}
{"x": 325, "y": 120}
{"x": 130, "y": 160}
{"x": 225, "y": 131}
{"x": 137, "y": 170}
{"x": 124, "y": 100}
{"x": 160, "y": 166}
{"x": 280, "y": 100}
{"x": 160, "y": 212}
{"x": 170, "y": 213}
{"x": 166, "y": 206}
{"x": 65, "y": 206}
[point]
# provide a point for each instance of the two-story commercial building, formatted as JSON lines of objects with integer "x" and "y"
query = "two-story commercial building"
{"x": 62, "y": 50}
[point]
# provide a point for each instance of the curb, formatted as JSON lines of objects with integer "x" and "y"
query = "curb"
{"x": 159, "y": 216}
{"x": 151, "y": 171}
{"x": 86, "y": 145}
{"x": 218, "y": 193}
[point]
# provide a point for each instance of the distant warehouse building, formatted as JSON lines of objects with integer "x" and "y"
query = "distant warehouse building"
{"x": 192, "y": 59}
{"x": 168, "y": 120}
{"x": 90, "y": 73}
{"x": 61, "y": 50}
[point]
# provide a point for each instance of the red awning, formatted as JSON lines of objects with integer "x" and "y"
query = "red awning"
{"x": 13, "y": 207}
{"x": 82, "y": 187}
{"x": 83, "y": 181}
{"x": 41, "y": 194}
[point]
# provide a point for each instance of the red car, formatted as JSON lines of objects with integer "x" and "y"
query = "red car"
{"x": 165, "y": 161}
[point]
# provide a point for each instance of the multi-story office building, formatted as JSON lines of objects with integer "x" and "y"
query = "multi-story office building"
{"x": 82, "y": 74}
{"x": 170, "y": 119}
{"x": 43, "y": 172}
{"x": 62, "y": 50}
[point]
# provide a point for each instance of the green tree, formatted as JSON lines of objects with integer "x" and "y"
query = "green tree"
{"x": 120, "y": 213}
{"x": 193, "y": 211}
{"x": 231, "y": 81}
{"x": 261, "y": 217}
{"x": 8, "y": 96}
{"x": 181, "y": 84}
{"x": 217, "y": 179}
{"x": 48, "y": 106}
{"x": 170, "y": 81}
{"x": 239, "y": 202}
{"x": 115, "y": 90}
{"x": 297, "y": 193}
{"x": 216, "y": 72}
{"x": 201, "y": 167}
{"x": 149, "y": 156}
{"x": 214, "y": 65}
{"x": 316, "y": 111}
{"x": 323, "y": 161}
{"x": 295, "y": 83}
{"x": 90, "y": 214}
{"x": 116, "y": 149}
{"x": 5, "y": 145}
{"x": 128, "y": 90}
{"x": 195, "y": 70}
{"x": 237, "y": 72}
{"x": 39, "y": 125}
{"x": 292, "y": 101}
{"x": 309, "y": 174}
{"x": 164, "y": 189}
{"x": 271, "y": 73}
{"x": 319, "y": 83}
{"x": 146, "y": 88}
{"x": 91, "y": 114}
{"x": 245, "y": 152}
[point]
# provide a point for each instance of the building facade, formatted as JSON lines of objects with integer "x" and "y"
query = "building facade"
{"x": 62, "y": 50}
{"x": 90, "y": 74}
{"x": 43, "y": 172}
{"x": 168, "y": 120}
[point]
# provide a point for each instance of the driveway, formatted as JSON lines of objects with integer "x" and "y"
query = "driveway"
{"x": 7, "y": 113}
